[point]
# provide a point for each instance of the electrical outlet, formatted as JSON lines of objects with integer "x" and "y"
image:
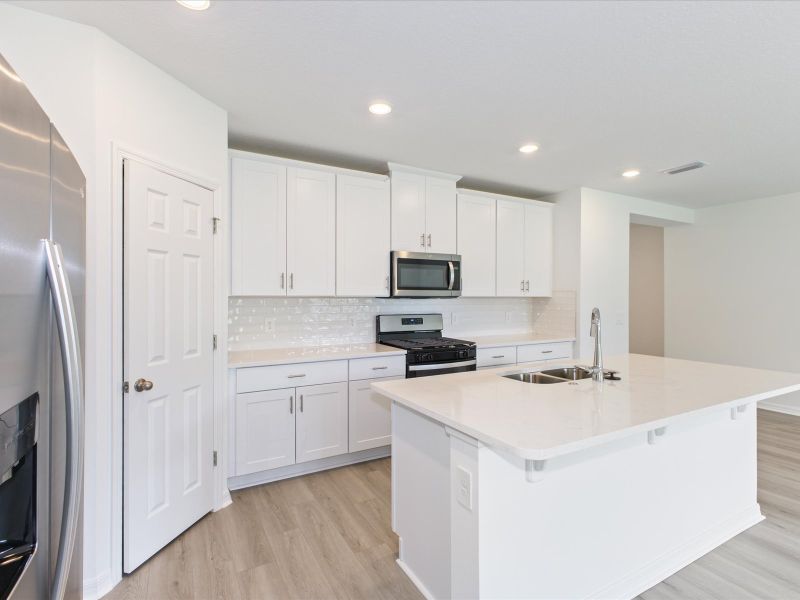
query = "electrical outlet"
{"x": 464, "y": 487}
{"x": 270, "y": 324}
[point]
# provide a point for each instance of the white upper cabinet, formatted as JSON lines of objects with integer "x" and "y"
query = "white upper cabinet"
{"x": 423, "y": 210}
{"x": 408, "y": 212}
{"x": 362, "y": 236}
{"x": 524, "y": 248}
{"x": 538, "y": 249}
{"x": 440, "y": 215}
{"x": 258, "y": 228}
{"x": 311, "y": 232}
{"x": 510, "y": 248}
{"x": 477, "y": 237}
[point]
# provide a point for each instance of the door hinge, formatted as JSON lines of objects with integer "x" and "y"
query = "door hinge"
{"x": 215, "y": 221}
{"x": 214, "y": 341}
{"x": 215, "y": 458}
{"x": 125, "y": 387}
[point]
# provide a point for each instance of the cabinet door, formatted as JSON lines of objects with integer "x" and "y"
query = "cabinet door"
{"x": 258, "y": 228}
{"x": 311, "y": 232}
{"x": 321, "y": 421}
{"x": 265, "y": 427}
{"x": 362, "y": 236}
{"x": 408, "y": 212}
{"x": 538, "y": 250}
{"x": 440, "y": 215}
{"x": 510, "y": 248}
{"x": 370, "y": 416}
{"x": 477, "y": 218}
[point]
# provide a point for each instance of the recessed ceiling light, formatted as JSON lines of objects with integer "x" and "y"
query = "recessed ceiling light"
{"x": 195, "y": 4}
{"x": 380, "y": 108}
{"x": 528, "y": 148}
{"x": 630, "y": 173}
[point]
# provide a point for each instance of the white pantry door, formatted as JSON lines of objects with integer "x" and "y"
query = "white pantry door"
{"x": 168, "y": 360}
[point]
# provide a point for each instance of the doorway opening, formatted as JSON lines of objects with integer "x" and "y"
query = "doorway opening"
{"x": 646, "y": 300}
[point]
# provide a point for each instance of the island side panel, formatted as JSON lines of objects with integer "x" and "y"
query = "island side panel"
{"x": 612, "y": 521}
{"x": 421, "y": 499}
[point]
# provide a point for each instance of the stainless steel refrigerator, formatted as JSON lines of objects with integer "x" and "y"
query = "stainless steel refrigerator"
{"x": 42, "y": 257}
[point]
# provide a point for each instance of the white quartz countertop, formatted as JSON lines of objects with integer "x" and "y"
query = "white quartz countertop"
{"x": 300, "y": 354}
{"x": 513, "y": 339}
{"x": 539, "y": 422}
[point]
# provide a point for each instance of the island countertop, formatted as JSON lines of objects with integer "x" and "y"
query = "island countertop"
{"x": 538, "y": 422}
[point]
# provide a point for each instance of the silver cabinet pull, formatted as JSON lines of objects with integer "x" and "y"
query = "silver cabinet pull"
{"x": 295, "y": 376}
{"x": 528, "y": 285}
{"x": 142, "y": 385}
{"x": 547, "y": 351}
{"x": 499, "y": 356}
{"x": 387, "y": 283}
{"x": 301, "y": 402}
{"x": 379, "y": 368}
{"x": 283, "y": 280}
{"x": 522, "y": 286}
{"x": 291, "y": 281}
{"x": 429, "y": 240}
{"x": 291, "y": 405}
{"x": 422, "y": 240}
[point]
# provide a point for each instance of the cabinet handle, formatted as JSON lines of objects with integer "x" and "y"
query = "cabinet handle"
{"x": 429, "y": 240}
{"x": 379, "y": 368}
{"x": 422, "y": 240}
{"x": 291, "y": 405}
{"x": 291, "y": 281}
{"x": 528, "y": 285}
{"x": 295, "y": 376}
{"x": 301, "y": 402}
{"x": 522, "y": 286}
{"x": 387, "y": 283}
{"x": 283, "y": 280}
{"x": 499, "y": 356}
{"x": 547, "y": 351}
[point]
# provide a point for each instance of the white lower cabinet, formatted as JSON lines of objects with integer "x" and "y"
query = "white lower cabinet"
{"x": 265, "y": 430}
{"x": 370, "y": 416}
{"x": 321, "y": 421}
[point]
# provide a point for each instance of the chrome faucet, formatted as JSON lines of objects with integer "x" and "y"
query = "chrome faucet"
{"x": 594, "y": 331}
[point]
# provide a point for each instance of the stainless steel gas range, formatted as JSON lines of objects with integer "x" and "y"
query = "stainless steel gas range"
{"x": 428, "y": 352}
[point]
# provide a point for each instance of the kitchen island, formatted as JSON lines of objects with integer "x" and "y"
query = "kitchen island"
{"x": 585, "y": 489}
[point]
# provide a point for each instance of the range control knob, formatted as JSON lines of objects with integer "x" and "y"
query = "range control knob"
{"x": 462, "y": 354}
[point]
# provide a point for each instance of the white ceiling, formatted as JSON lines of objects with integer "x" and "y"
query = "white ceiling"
{"x": 601, "y": 86}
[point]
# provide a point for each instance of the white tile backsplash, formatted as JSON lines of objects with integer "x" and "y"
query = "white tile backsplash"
{"x": 286, "y": 322}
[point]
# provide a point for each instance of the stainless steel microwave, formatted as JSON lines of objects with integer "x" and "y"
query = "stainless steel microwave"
{"x": 425, "y": 275}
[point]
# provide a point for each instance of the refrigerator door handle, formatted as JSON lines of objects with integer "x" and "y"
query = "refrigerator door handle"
{"x": 67, "y": 325}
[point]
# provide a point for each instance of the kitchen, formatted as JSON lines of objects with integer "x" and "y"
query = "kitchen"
{"x": 331, "y": 333}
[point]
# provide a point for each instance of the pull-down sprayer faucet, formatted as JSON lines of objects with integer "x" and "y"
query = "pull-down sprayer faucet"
{"x": 594, "y": 331}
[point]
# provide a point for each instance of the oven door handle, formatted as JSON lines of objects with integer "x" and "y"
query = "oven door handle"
{"x": 439, "y": 366}
{"x": 452, "y": 274}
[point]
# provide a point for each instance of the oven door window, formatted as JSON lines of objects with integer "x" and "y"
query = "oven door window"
{"x": 415, "y": 274}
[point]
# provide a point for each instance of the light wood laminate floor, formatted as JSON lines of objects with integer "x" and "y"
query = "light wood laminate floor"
{"x": 328, "y": 535}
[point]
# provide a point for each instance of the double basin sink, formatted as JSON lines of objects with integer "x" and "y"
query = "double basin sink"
{"x": 560, "y": 375}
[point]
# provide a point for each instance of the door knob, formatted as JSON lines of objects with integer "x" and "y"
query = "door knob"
{"x": 142, "y": 385}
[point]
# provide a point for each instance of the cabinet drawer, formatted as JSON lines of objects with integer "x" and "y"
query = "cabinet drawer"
{"x": 379, "y": 366}
{"x": 544, "y": 351}
{"x": 491, "y": 357}
{"x": 253, "y": 379}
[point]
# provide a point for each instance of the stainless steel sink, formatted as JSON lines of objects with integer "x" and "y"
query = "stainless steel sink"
{"x": 561, "y": 375}
{"x": 569, "y": 373}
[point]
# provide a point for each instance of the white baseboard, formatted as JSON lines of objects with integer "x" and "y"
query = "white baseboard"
{"x": 98, "y": 586}
{"x": 674, "y": 560}
{"x": 342, "y": 460}
{"x": 415, "y": 580}
{"x": 780, "y": 408}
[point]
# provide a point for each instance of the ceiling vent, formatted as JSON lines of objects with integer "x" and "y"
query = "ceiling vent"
{"x": 683, "y": 168}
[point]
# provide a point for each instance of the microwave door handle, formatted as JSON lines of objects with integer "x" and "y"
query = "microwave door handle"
{"x": 67, "y": 325}
{"x": 452, "y": 274}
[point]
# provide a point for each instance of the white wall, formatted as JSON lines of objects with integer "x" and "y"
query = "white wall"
{"x": 598, "y": 223}
{"x": 97, "y": 92}
{"x": 646, "y": 307}
{"x": 733, "y": 287}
